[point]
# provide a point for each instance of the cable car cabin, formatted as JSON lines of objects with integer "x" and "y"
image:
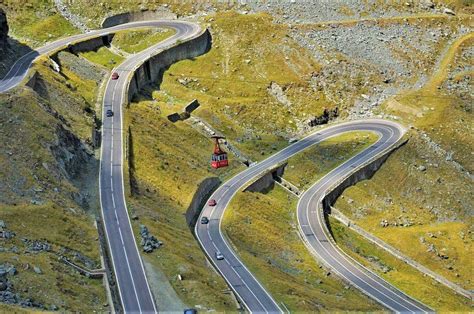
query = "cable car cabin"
{"x": 219, "y": 160}
{"x": 219, "y": 157}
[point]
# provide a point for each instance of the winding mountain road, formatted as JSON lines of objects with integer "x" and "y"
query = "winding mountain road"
{"x": 311, "y": 223}
{"x": 134, "y": 289}
{"x": 130, "y": 275}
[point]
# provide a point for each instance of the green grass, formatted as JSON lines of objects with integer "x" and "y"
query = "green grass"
{"x": 434, "y": 201}
{"x": 401, "y": 275}
{"x": 279, "y": 259}
{"x": 29, "y": 173}
{"x": 310, "y": 165}
{"x": 170, "y": 160}
{"x": 231, "y": 82}
{"x": 36, "y": 23}
{"x": 103, "y": 57}
{"x": 138, "y": 40}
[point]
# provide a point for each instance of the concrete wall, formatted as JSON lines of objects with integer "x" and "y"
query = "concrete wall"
{"x": 266, "y": 181}
{"x": 204, "y": 191}
{"x": 363, "y": 173}
{"x": 193, "y": 105}
{"x": 136, "y": 16}
{"x": 90, "y": 44}
{"x": 151, "y": 71}
{"x": 109, "y": 270}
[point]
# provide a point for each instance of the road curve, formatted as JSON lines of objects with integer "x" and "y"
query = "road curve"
{"x": 131, "y": 278}
{"x": 246, "y": 286}
{"x": 20, "y": 68}
{"x": 133, "y": 286}
{"x": 130, "y": 275}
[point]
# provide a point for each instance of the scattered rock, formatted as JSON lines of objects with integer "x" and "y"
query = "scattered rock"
{"x": 37, "y": 269}
{"x": 448, "y": 11}
{"x": 148, "y": 242}
{"x": 37, "y": 245}
{"x": 421, "y": 168}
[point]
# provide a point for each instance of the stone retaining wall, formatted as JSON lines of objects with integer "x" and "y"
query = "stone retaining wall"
{"x": 203, "y": 192}
{"x": 151, "y": 71}
{"x": 128, "y": 17}
{"x": 363, "y": 173}
{"x": 266, "y": 181}
{"x": 90, "y": 44}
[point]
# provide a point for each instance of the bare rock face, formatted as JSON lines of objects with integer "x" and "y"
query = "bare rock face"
{"x": 3, "y": 29}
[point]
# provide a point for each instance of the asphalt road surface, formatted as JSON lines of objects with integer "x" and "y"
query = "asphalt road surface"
{"x": 129, "y": 272}
{"x": 245, "y": 285}
{"x": 20, "y": 68}
{"x": 130, "y": 275}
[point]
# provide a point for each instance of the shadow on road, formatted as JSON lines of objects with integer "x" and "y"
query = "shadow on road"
{"x": 10, "y": 51}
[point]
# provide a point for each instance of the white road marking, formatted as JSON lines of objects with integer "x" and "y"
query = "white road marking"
{"x": 131, "y": 276}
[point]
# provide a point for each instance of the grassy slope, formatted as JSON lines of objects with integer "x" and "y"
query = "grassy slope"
{"x": 399, "y": 193}
{"x": 137, "y": 40}
{"x": 103, "y": 57}
{"x": 29, "y": 167}
{"x": 438, "y": 201}
{"x": 326, "y": 155}
{"x": 231, "y": 82}
{"x": 399, "y": 274}
{"x": 437, "y": 111}
{"x": 170, "y": 160}
{"x": 36, "y": 22}
{"x": 277, "y": 256}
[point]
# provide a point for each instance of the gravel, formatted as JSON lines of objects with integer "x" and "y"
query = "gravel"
{"x": 314, "y": 11}
{"x": 75, "y": 20}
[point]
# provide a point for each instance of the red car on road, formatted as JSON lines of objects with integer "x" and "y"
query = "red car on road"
{"x": 212, "y": 202}
{"x": 115, "y": 76}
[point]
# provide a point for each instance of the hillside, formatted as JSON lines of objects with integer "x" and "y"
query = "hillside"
{"x": 49, "y": 190}
{"x": 276, "y": 71}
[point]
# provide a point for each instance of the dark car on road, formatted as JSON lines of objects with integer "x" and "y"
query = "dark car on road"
{"x": 109, "y": 113}
{"x": 204, "y": 220}
{"x": 212, "y": 202}
{"x": 115, "y": 76}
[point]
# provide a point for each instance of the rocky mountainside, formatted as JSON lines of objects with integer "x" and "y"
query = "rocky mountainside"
{"x": 3, "y": 30}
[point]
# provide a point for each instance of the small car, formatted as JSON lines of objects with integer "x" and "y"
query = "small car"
{"x": 190, "y": 311}
{"x": 204, "y": 220}
{"x": 109, "y": 113}
{"x": 219, "y": 256}
{"x": 115, "y": 76}
{"x": 212, "y": 202}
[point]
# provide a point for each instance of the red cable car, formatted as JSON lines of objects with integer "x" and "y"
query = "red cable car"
{"x": 219, "y": 157}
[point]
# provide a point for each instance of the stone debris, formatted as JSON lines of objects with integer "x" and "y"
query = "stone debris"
{"x": 36, "y": 246}
{"x": 68, "y": 15}
{"x": 148, "y": 242}
{"x": 7, "y": 293}
{"x": 448, "y": 11}
{"x": 4, "y": 232}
